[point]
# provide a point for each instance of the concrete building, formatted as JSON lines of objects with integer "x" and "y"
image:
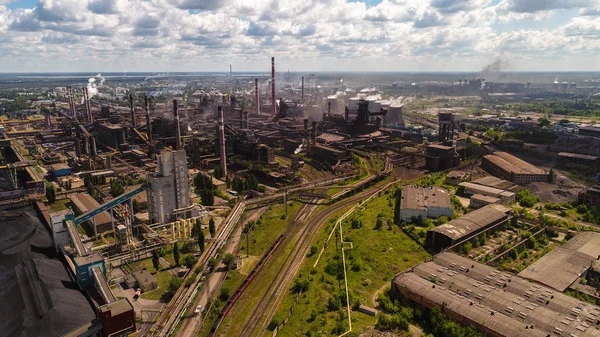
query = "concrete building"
{"x": 60, "y": 235}
{"x": 441, "y": 157}
{"x": 169, "y": 194}
{"x": 60, "y": 169}
{"x": 577, "y": 161}
{"x": 507, "y": 166}
{"x": 496, "y": 303}
{"x": 145, "y": 280}
{"x": 111, "y": 135}
{"x": 498, "y": 183}
{"x": 590, "y": 196}
{"x": 84, "y": 203}
{"x": 564, "y": 265}
{"x": 504, "y": 196}
{"x": 467, "y": 226}
{"x": 424, "y": 202}
{"x": 480, "y": 200}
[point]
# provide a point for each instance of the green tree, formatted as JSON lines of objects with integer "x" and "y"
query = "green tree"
{"x": 155, "y": 260}
{"x": 176, "y": 256}
{"x": 300, "y": 285}
{"x": 51, "y": 193}
{"x": 189, "y": 261}
{"x": 116, "y": 188}
{"x": 211, "y": 227}
{"x": 212, "y": 263}
{"x": 228, "y": 260}
{"x": 379, "y": 223}
{"x": 201, "y": 240}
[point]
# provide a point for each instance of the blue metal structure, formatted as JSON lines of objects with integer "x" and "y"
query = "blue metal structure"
{"x": 108, "y": 205}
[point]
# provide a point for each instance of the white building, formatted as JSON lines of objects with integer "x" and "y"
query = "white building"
{"x": 169, "y": 194}
{"x": 426, "y": 202}
{"x": 60, "y": 235}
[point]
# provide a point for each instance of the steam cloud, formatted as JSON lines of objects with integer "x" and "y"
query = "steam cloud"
{"x": 92, "y": 86}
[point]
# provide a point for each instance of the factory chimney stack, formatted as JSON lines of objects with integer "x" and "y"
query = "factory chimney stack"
{"x": 132, "y": 109}
{"x": 328, "y": 109}
{"x": 241, "y": 119}
{"x": 177, "y": 129}
{"x": 71, "y": 103}
{"x": 307, "y": 136}
{"x": 148, "y": 123}
{"x": 246, "y": 123}
{"x": 314, "y": 133}
{"x": 273, "y": 107}
{"x": 256, "y": 98}
{"x": 222, "y": 153}
{"x": 302, "y": 100}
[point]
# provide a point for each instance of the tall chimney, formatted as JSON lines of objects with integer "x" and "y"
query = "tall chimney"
{"x": 307, "y": 135}
{"x": 328, "y": 109}
{"x": 241, "y": 119}
{"x": 71, "y": 103}
{"x": 273, "y": 107}
{"x": 85, "y": 105}
{"x": 256, "y": 99}
{"x": 93, "y": 146}
{"x": 246, "y": 124}
{"x": 177, "y": 130}
{"x": 77, "y": 147}
{"x": 302, "y": 100}
{"x": 148, "y": 123}
{"x": 89, "y": 106}
{"x": 314, "y": 133}
{"x": 230, "y": 72}
{"x": 346, "y": 113}
{"x": 222, "y": 153}
{"x": 132, "y": 109}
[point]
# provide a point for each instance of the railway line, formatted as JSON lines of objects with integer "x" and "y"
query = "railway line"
{"x": 265, "y": 307}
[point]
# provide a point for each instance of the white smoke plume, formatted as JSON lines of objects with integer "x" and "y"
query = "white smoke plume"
{"x": 490, "y": 71}
{"x": 92, "y": 86}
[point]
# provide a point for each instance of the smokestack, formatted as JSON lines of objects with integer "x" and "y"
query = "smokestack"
{"x": 132, "y": 108}
{"x": 71, "y": 103}
{"x": 222, "y": 153}
{"x": 78, "y": 147}
{"x": 273, "y": 107}
{"x": 48, "y": 121}
{"x": 328, "y": 109}
{"x": 314, "y": 133}
{"x": 177, "y": 129}
{"x": 256, "y": 99}
{"x": 346, "y": 113}
{"x": 89, "y": 106}
{"x": 241, "y": 119}
{"x": 307, "y": 135}
{"x": 246, "y": 125}
{"x": 302, "y": 100}
{"x": 230, "y": 72}
{"x": 148, "y": 123}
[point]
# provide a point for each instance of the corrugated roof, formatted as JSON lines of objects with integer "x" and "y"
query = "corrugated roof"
{"x": 414, "y": 197}
{"x": 510, "y": 163}
{"x": 474, "y": 290}
{"x": 564, "y": 265}
{"x": 473, "y": 221}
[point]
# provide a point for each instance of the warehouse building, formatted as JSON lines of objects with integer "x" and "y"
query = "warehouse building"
{"x": 564, "y": 265}
{"x": 498, "y": 183}
{"x": 507, "y": 166}
{"x": 472, "y": 189}
{"x": 577, "y": 161}
{"x": 467, "y": 226}
{"x": 496, "y": 303}
{"x": 590, "y": 196}
{"x": 424, "y": 202}
{"x": 84, "y": 203}
{"x": 480, "y": 200}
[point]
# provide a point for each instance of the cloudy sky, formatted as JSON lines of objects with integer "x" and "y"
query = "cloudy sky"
{"x": 303, "y": 35}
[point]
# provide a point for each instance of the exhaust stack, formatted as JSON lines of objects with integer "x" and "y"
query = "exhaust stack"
{"x": 222, "y": 153}
{"x": 246, "y": 124}
{"x": 177, "y": 129}
{"x": 241, "y": 119}
{"x": 256, "y": 99}
{"x": 132, "y": 109}
{"x": 71, "y": 103}
{"x": 307, "y": 136}
{"x": 314, "y": 133}
{"x": 273, "y": 107}
{"x": 302, "y": 100}
{"x": 148, "y": 123}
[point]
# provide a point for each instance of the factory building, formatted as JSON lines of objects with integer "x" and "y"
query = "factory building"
{"x": 170, "y": 191}
{"x": 590, "y": 196}
{"x": 84, "y": 203}
{"x": 441, "y": 157}
{"x": 424, "y": 202}
{"x": 472, "y": 188}
{"x": 564, "y": 265}
{"x": 577, "y": 161}
{"x": 111, "y": 135}
{"x": 507, "y": 166}
{"x": 480, "y": 200}
{"x": 590, "y": 131}
{"x": 498, "y": 183}
{"x": 498, "y": 304}
{"x": 467, "y": 226}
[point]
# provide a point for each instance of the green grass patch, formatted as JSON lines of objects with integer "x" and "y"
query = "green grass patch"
{"x": 59, "y": 205}
{"x": 163, "y": 278}
{"x": 376, "y": 256}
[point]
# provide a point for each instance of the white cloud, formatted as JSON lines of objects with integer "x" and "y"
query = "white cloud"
{"x": 309, "y": 34}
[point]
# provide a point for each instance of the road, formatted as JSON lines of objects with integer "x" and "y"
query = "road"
{"x": 191, "y": 325}
{"x": 300, "y": 236}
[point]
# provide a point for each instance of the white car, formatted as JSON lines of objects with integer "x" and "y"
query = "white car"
{"x": 198, "y": 310}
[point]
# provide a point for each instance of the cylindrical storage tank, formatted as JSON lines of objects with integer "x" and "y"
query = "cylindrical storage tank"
{"x": 374, "y": 106}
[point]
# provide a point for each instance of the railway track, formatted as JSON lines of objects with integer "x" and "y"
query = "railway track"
{"x": 264, "y": 309}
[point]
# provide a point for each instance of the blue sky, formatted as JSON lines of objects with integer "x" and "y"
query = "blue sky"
{"x": 304, "y": 35}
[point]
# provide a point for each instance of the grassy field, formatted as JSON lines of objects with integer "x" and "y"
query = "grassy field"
{"x": 376, "y": 256}
{"x": 59, "y": 205}
{"x": 163, "y": 278}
